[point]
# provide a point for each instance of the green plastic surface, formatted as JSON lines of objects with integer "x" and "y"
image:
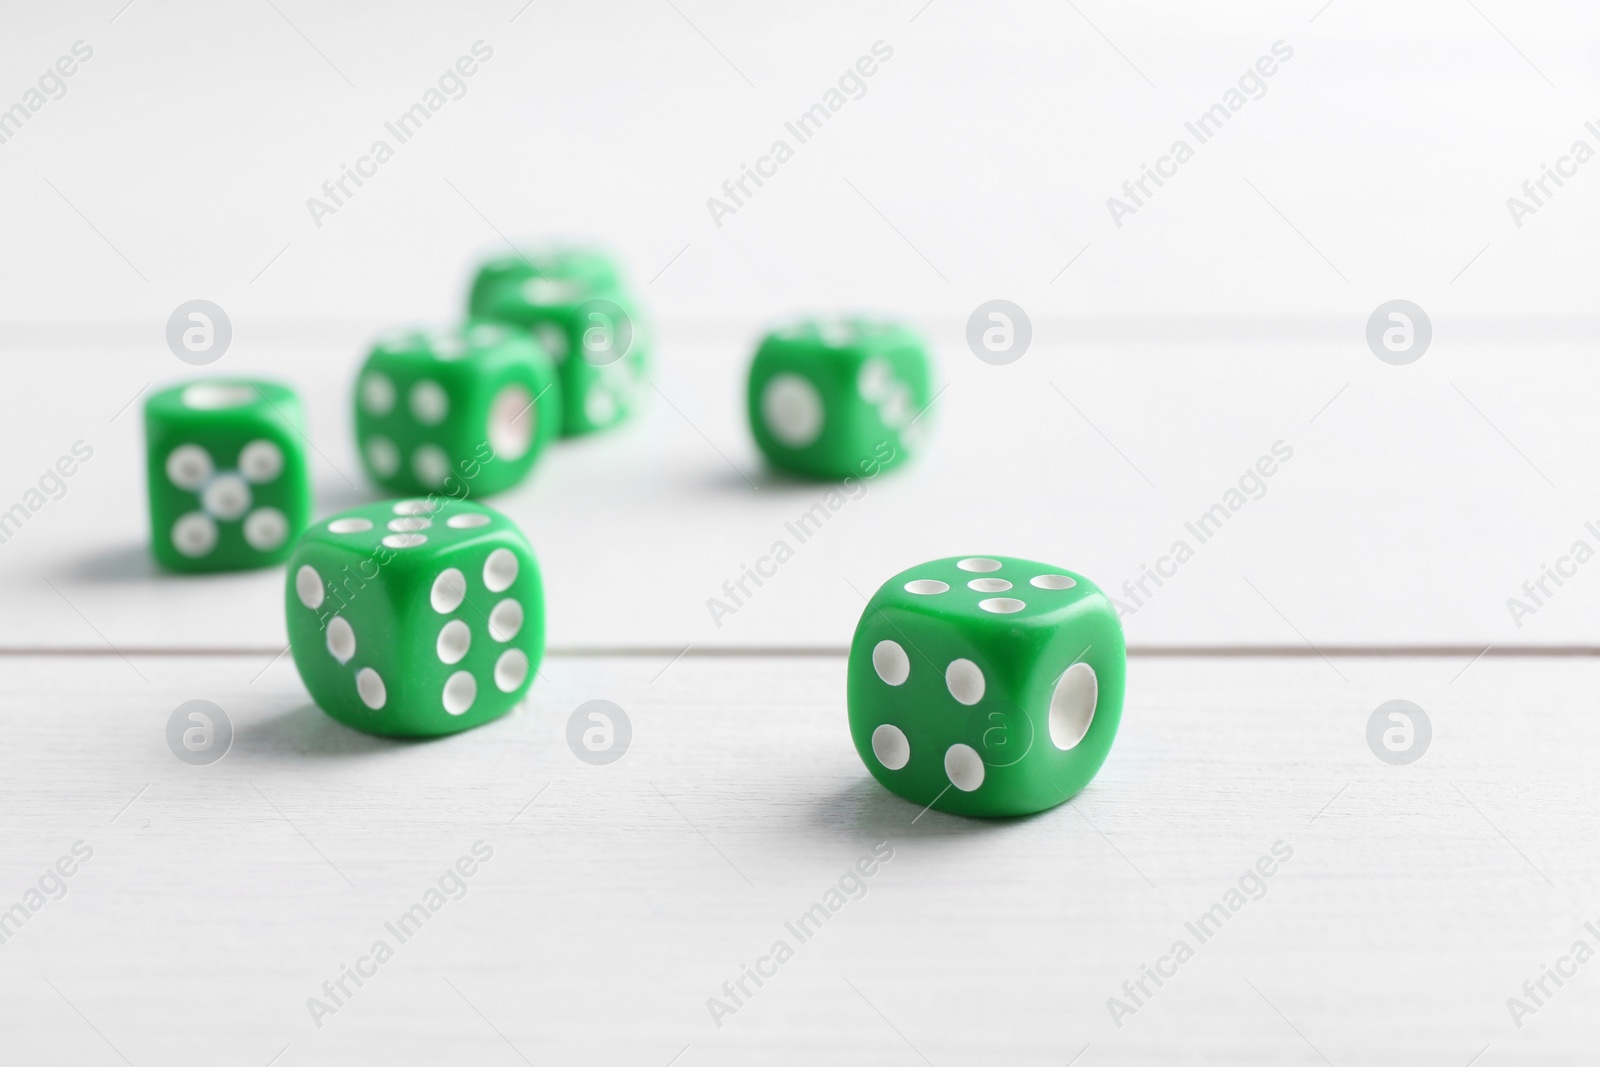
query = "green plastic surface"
{"x": 415, "y": 618}
{"x": 229, "y": 486}
{"x": 573, "y": 301}
{"x": 839, "y": 398}
{"x": 465, "y": 412}
{"x": 986, "y": 685}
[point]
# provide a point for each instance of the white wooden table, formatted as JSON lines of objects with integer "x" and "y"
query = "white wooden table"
{"x": 208, "y": 904}
{"x": 619, "y": 898}
{"x": 1414, "y": 506}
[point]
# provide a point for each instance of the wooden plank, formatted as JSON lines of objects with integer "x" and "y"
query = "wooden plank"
{"x": 618, "y": 899}
{"x": 1417, "y": 501}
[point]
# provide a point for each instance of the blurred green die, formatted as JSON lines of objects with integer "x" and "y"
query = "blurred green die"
{"x": 573, "y": 302}
{"x": 590, "y": 268}
{"x": 465, "y": 412}
{"x": 834, "y": 398}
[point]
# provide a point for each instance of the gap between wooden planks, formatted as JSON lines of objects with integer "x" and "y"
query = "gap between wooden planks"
{"x": 840, "y": 651}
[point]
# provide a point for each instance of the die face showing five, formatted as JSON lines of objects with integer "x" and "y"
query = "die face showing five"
{"x": 986, "y": 685}
{"x": 462, "y": 412}
{"x": 415, "y": 618}
{"x": 573, "y": 303}
{"x": 836, "y": 398}
{"x": 229, "y": 485}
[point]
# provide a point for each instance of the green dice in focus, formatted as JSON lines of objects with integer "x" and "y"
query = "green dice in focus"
{"x": 415, "y": 618}
{"x": 986, "y": 685}
{"x": 228, "y": 478}
{"x": 574, "y": 302}
{"x": 838, "y": 398}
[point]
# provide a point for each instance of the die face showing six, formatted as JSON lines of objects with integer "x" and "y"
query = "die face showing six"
{"x": 576, "y": 308}
{"x": 462, "y": 412}
{"x": 229, "y": 486}
{"x": 986, "y": 685}
{"x": 837, "y": 398}
{"x": 415, "y": 618}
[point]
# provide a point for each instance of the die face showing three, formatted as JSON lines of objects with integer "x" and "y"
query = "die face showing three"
{"x": 574, "y": 304}
{"x": 462, "y": 412}
{"x": 986, "y": 685}
{"x": 415, "y": 618}
{"x": 229, "y": 484}
{"x": 838, "y": 398}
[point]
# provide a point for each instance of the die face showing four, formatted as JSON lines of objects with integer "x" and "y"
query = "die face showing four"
{"x": 464, "y": 412}
{"x": 986, "y": 685}
{"x": 839, "y": 397}
{"x": 574, "y": 305}
{"x": 229, "y": 484}
{"x": 415, "y": 618}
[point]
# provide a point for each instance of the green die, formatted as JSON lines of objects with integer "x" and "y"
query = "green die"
{"x": 464, "y": 411}
{"x": 573, "y": 303}
{"x": 839, "y": 397}
{"x": 986, "y": 685}
{"x": 589, "y": 267}
{"x": 229, "y": 483}
{"x": 415, "y": 618}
